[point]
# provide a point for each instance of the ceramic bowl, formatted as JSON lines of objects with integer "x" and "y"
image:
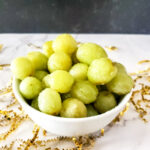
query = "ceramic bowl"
{"x": 68, "y": 126}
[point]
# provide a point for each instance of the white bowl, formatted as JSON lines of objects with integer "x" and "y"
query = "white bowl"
{"x": 69, "y": 126}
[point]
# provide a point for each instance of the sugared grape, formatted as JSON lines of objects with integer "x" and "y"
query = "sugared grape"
{"x": 121, "y": 84}
{"x": 64, "y": 43}
{"x": 34, "y": 103}
{"x": 88, "y": 52}
{"x": 21, "y": 67}
{"x": 73, "y": 108}
{"x": 84, "y": 91}
{"x": 105, "y": 101}
{"x": 39, "y": 74}
{"x": 79, "y": 71}
{"x": 49, "y": 102}
{"x": 101, "y": 71}
{"x": 61, "y": 81}
{"x": 47, "y": 48}
{"x": 91, "y": 111}
{"x": 59, "y": 61}
{"x": 38, "y": 60}
{"x": 30, "y": 87}
{"x": 46, "y": 81}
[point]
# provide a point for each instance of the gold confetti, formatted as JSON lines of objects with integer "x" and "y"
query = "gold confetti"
{"x": 144, "y": 61}
{"x": 44, "y": 132}
{"x": 102, "y": 132}
{"x": 1, "y": 47}
{"x": 111, "y": 48}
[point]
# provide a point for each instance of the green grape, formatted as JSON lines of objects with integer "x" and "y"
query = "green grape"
{"x": 49, "y": 102}
{"x": 65, "y": 96}
{"x": 64, "y": 43}
{"x": 120, "y": 67}
{"x": 30, "y": 87}
{"x": 79, "y": 71}
{"x": 59, "y": 61}
{"x": 38, "y": 60}
{"x": 73, "y": 108}
{"x": 91, "y": 111}
{"x": 74, "y": 58}
{"x": 39, "y": 74}
{"x": 101, "y": 71}
{"x": 46, "y": 81}
{"x": 61, "y": 81}
{"x": 84, "y": 91}
{"x": 21, "y": 67}
{"x": 47, "y": 48}
{"x": 88, "y": 52}
{"x": 34, "y": 103}
{"x": 105, "y": 101}
{"x": 121, "y": 84}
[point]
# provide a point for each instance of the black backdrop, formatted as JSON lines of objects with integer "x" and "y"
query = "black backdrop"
{"x": 76, "y": 16}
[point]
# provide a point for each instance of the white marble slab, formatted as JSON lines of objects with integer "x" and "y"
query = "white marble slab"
{"x": 131, "y": 133}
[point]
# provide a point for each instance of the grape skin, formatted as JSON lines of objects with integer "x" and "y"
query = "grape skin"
{"x": 40, "y": 74}
{"x": 91, "y": 111}
{"x": 73, "y": 108}
{"x": 49, "y": 102}
{"x": 30, "y": 87}
{"x": 105, "y": 101}
{"x": 121, "y": 84}
{"x": 64, "y": 43}
{"x": 79, "y": 71}
{"x": 88, "y": 52}
{"x": 59, "y": 61}
{"x": 120, "y": 67}
{"x": 38, "y": 59}
{"x": 61, "y": 81}
{"x": 21, "y": 67}
{"x": 46, "y": 81}
{"x": 84, "y": 91}
{"x": 47, "y": 48}
{"x": 34, "y": 103}
{"x": 101, "y": 71}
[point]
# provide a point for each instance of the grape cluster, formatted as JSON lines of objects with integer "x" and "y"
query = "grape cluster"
{"x": 71, "y": 80}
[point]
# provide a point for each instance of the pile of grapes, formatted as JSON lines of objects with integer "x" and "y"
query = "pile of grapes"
{"x": 71, "y": 80}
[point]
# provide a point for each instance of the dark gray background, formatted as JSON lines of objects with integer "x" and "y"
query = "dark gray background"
{"x": 76, "y": 16}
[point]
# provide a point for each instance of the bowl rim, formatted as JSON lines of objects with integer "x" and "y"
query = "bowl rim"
{"x": 22, "y": 101}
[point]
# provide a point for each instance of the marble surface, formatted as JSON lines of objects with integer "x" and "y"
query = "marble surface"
{"x": 75, "y": 16}
{"x": 129, "y": 134}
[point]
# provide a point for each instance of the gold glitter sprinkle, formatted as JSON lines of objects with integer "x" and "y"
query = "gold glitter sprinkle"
{"x": 144, "y": 61}
{"x": 1, "y": 47}
{"x": 4, "y": 65}
{"x": 102, "y": 132}
{"x": 111, "y": 48}
{"x": 44, "y": 132}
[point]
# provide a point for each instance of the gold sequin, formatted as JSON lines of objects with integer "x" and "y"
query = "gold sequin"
{"x": 111, "y": 48}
